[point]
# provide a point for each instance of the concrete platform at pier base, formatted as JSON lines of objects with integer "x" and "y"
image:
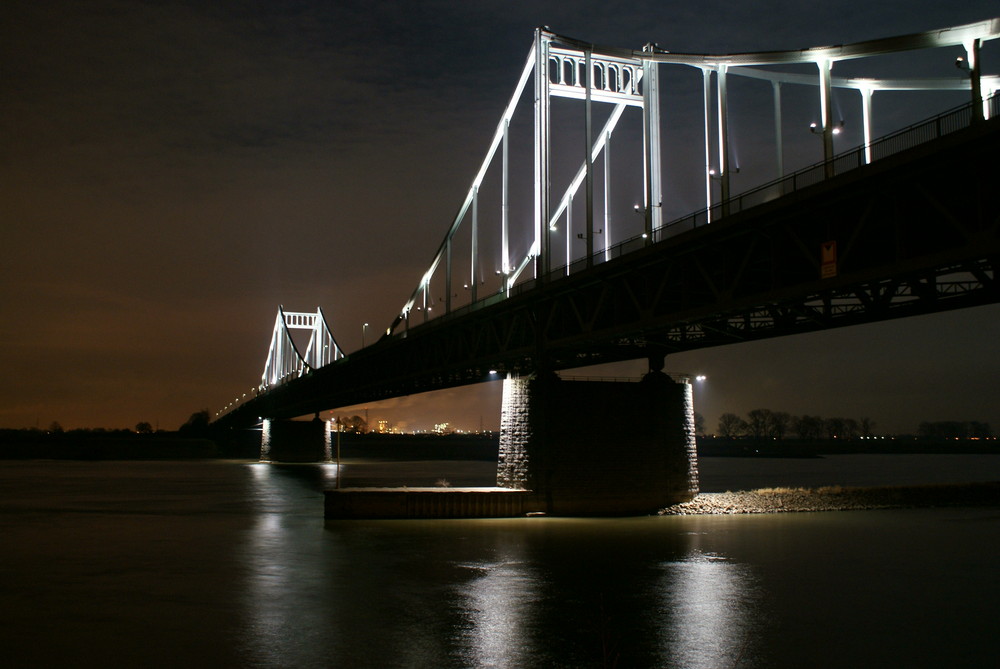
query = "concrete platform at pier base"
{"x": 386, "y": 503}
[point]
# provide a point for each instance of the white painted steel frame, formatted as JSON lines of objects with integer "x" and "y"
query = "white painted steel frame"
{"x": 652, "y": 165}
{"x": 618, "y": 84}
{"x": 619, "y": 72}
{"x": 542, "y": 147}
{"x": 284, "y": 362}
{"x": 969, "y": 36}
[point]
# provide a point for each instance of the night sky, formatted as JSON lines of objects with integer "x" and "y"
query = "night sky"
{"x": 171, "y": 172}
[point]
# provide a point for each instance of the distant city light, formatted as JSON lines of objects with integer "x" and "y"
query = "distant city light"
{"x": 700, "y": 377}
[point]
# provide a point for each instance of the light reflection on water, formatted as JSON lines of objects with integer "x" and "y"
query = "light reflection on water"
{"x": 231, "y": 564}
{"x": 280, "y": 576}
{"x": 709, "y": 611}
{"x": 549, "y": 592}
{"x": 486, "y": 593}
{"x": 495, "y": 607}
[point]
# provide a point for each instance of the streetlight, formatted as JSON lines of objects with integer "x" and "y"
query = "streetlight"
{"x": 641, "y": 211}
{"x": 364, "y": 329}
{"x": 817, "y": 129}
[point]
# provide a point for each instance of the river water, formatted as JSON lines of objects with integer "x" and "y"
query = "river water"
{"x": 231, "y": 564}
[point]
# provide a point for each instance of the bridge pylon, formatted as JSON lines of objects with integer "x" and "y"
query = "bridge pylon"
{"x": 284, "y": 361}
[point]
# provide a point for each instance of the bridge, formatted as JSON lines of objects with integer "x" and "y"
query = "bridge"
{"x": 899, "y": 225}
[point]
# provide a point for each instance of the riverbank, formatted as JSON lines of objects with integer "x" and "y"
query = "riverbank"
{"x": 838, "y": 498}
{"x": 101, "y": 444}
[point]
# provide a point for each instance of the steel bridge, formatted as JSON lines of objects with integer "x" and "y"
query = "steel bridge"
{"x": 905, "y": 224}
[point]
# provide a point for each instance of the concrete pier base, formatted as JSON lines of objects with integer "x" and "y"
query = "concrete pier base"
{"x": 599, "y": 448}
{"x": 295, "y": 441}
{"x": 567, "y": 448}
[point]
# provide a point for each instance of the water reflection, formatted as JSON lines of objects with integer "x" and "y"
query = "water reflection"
{"x": 709, "y": 611}
{"x": 485, "y": 593}
{"x": 225, "y": 565}
{"x": 267, "y": 576}
{"x": 623, "y": 592}
{"x": 280, "y": 571}
{"x": 496, "y": 609}
{"x": 273, "y": 478}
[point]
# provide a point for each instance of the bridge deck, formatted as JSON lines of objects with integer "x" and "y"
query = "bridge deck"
{"x": 915, "y": 233}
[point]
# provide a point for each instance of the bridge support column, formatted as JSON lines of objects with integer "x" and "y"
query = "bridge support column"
{"x": 598, "y": 448}
{"x": 295, "y": 441}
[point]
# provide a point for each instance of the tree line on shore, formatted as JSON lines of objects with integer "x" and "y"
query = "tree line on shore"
{"x": 758, "y": 424}
{"x": 767, "y": 424}
{"x": 55, "y": 429}
{"x": 955, "y": 429}
{"x": 196, "y": 426}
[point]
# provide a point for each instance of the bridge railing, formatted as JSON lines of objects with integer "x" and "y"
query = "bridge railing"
{"x": 914, "y": 135}
{"x": 676, "y": 377}
{"x": 925, "y": 131}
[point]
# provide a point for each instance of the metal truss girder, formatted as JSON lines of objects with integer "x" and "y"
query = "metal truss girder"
{"x": 835, "y": 309}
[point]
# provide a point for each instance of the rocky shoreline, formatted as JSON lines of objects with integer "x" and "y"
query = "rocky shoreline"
{"x": 837, "y": 498}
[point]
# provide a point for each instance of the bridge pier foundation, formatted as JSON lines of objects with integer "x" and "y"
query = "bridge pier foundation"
{"x": 596, "y": 447}
{"x": 295, "y": 441}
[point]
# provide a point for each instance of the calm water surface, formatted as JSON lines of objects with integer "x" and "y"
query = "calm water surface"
{"x": 232, "y": 564}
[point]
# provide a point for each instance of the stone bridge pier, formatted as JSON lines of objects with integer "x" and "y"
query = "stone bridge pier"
{"x": 598, "y": 447}
{"x": 295, "y": 441}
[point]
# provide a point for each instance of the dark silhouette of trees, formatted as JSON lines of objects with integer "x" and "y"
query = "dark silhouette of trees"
{"x": 757, "y": 422}
{"x": 778, "y": 423}
{"x": 699, "y": 423}
{"x": 196, "y": 425}
{"x": 144, "y": 428}
{"x": 808, "y": 427}
{"x": 731, "y": 425}
{"x": 979, "y": 430}
{"x": 765, "y": 424}
{"x": 355, "y": 424}
{"x": 953, "y": 429}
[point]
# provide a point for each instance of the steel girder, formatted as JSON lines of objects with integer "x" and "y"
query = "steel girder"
{"x": 915, "y": 235}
